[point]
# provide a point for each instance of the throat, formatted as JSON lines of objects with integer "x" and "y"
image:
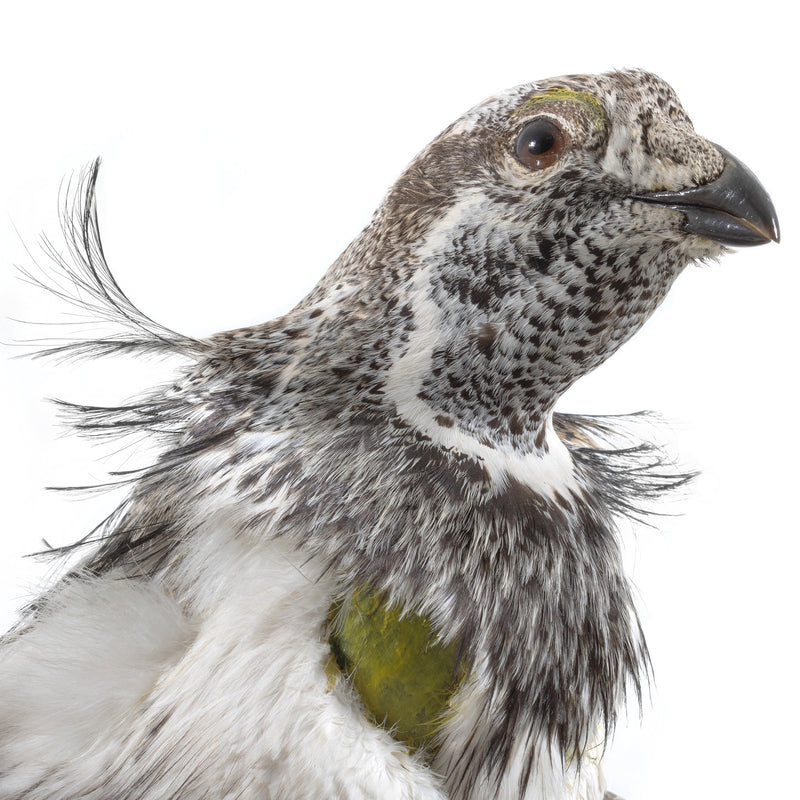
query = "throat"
{"x": 537, "y": 458}
{"x": 490, "y": 410}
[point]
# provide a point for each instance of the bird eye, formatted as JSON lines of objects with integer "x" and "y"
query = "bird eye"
{"x": 540, "y": 144}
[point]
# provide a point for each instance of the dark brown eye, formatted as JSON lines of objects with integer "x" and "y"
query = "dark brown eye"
{"x": 540, "y": 144}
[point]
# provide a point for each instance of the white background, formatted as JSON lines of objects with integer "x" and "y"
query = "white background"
{"x": 243, "y": 148}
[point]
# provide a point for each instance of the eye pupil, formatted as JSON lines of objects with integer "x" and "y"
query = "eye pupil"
{"x": 540, "y": 144}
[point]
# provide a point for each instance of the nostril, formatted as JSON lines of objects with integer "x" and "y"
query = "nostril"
{"x": 672, "y": 143}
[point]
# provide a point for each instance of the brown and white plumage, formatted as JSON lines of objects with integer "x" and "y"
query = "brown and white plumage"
{"x": 394, "y": 430}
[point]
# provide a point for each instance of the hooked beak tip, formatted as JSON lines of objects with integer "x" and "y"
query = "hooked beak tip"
{"x": 734, "y": 209}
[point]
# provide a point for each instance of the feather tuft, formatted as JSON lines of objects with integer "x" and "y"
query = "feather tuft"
{"x": 628, "y": 472}
{"x": 81, "y": 278}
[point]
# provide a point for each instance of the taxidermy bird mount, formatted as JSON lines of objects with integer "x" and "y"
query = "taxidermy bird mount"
{"x": 370, "y": 561}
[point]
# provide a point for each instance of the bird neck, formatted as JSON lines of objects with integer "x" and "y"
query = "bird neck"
{"x": 496, "y": 328}
{"x": 466, "y": 385}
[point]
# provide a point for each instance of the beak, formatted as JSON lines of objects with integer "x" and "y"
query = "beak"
{"x": 734, "y": 210}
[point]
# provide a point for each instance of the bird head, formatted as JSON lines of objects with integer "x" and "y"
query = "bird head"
{"x": 534, "y": 236}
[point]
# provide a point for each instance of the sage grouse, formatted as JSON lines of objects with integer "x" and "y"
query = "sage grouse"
{"x": 370, "y": 561}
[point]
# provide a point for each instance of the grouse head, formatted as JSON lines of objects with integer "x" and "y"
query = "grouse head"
{"x": 531, "y": 239}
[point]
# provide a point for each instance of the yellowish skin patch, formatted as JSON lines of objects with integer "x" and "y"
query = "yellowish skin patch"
{"x": 405, "y": 676}
{"x": 561, "y": 94}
